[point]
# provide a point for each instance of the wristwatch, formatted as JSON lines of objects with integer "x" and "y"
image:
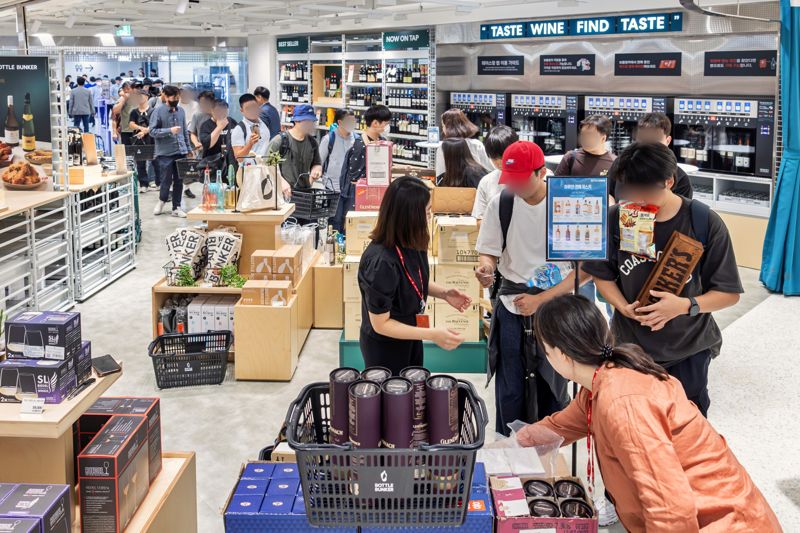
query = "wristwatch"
{"x": 694, "y": 309}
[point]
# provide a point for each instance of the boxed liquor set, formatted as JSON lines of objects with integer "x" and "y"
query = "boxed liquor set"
{"x": 35, "y": 508}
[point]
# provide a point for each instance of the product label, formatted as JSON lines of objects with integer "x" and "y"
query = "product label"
{"x": 12, "y": 136}
{"x": 32, "y": 406}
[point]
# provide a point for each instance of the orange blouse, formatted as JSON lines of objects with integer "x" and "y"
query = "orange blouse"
{"x": 665, "y": 466}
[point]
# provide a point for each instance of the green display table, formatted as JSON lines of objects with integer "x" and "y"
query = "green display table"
{"x": 469, "y": 358}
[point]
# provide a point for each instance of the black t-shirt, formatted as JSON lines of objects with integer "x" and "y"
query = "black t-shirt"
{"x": 142, "y": 118}
{"x": 205, "y": 136}
{"x": 581, "y": 163}
{"x": 682, "y": 186}
{"x": 683, "y": 336}
{"x": 386, "y": 288}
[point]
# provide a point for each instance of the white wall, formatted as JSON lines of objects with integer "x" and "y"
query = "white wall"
{"x": 261, "y": 63}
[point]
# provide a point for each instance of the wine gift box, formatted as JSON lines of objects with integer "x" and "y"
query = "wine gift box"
{"x": 672, "y": 271}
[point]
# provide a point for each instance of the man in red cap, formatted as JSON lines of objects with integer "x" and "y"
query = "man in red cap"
{"x": 512, "y": 239}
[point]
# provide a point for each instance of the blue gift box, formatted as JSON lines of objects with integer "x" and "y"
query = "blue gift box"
{"x": 258, "y": 471}
{"x": 285, "y": 471}
{"x": 277, "y": 505}
{"x": 479, "y": 480}
{"x": 252, "y": 487}
{"x": 283, "y": 487}
{"x": 241, "y": 503}
{"x": 299, "y": 506}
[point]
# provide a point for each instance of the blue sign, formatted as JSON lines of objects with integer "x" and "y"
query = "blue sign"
{"x": 577, "y": 218}
{"x": 642, "y": 23}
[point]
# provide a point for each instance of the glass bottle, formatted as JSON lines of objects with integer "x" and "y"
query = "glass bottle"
{"x": 28, "y": 132}
{"x": 206, "y": 204}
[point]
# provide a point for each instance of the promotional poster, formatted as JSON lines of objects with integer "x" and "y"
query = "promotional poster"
{"x": 577, "y": 218}
{"x": 20, "y": 76}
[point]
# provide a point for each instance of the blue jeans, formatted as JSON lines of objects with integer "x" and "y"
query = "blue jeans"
{"x": 77, "y": 120}
{"x": 168, "y": 171}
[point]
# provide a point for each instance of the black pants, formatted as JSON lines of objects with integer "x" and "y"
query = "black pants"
{"x": 169, "y": 178}
{"x": 393, "y": 354}
{"x": 692, "y": 372}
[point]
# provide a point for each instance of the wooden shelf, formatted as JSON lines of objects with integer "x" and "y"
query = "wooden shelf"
{"x": 99, "y": 181}
{"x": 56, "y": 419}
{"x": 162, "y": 287}
{"x": 19, "y": 201}
{"x": 171, "y": 503}
{"x": 276, "y": 216}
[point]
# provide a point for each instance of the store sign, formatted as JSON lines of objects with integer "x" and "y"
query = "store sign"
{"x": 292, "y": 45}
{"x": 623, "y": 24}
{"x": 494, "y": 65}
{"x": 577, "y": 218}
{"x": 406, "y": 40}
{"x": 567, "y": 65}
{"x": 123, "y": 30}
{"x": 21, "y": 76}
{"x": 741, "y": 63}
{"x": 666, "y": 64}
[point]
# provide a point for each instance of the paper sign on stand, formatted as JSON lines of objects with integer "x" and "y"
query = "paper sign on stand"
{"x": 379, "y": 163}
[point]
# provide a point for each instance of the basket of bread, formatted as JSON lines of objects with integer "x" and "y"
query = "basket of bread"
{"x": 39, "y": 157}
{"x": 21, "y": 176}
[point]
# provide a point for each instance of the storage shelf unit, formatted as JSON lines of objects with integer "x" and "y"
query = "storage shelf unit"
{"x": 104, "y": 237}
{"x": 353, "y": 51}
{"x": 734, "y": 194}
{"x": 35, "y": 253}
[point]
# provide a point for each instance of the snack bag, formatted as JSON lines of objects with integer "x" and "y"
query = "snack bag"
{"x": 636, "y": 226}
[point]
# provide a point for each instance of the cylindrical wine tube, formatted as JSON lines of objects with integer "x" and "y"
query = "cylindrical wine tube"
{"x": 566, "y": 488}
{"x": 418, "y": 376}
{"x": 398, "y": 413}
{"x": 542, "y": 507}
{"x": 340, "y": 380}
{"x": 538, "y": 487}
{"x": 378, "y": 374}
{"x": 442, "y": 400}
{"x": 365, "y": 414}
{"x": 575, "y": 508}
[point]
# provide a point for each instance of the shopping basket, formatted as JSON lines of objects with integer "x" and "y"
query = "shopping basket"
{"x": 189, "y": 169}
{"x": 348, "y": 487}
{"x": 141, "y": 152}
{"x": 314, "y": 204}
{"x": 184, "y": 360}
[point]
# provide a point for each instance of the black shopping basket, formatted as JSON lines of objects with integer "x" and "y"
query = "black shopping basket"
{"x": 314, "y": 204}
{"x": 348, "y": 487}
{"x": 141, "y": 152}
{"x": 184, "y": 360}
{"x": 189, "y": 169}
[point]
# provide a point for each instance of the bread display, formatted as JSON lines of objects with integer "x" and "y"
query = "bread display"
{"x": 21, "y": 173}
{"x": 39, "y": 157}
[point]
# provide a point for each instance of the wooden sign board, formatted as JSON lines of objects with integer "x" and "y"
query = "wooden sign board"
{"x": 89, "y": 148}
{"x": 120, "y": 158}
{"x": 672, "y": 271}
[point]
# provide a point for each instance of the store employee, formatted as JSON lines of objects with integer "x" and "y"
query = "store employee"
{"x": 394, "y": 278}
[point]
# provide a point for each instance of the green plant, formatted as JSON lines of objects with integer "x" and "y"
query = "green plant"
{"x": 274, "y": 158}
{"x": 230, "y": 277}
{"x": 185, "y": 277}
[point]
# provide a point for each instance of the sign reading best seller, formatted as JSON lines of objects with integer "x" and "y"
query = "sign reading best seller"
{"x": 292, "y": 45}
{"x": 406, "y": 40}
{"x": 623, "y": 24}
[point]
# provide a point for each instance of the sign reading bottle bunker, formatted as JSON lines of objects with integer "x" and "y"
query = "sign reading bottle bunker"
{"x": 406, "y": 40}
{"x": 25, "y": 102}
{"x": 292, "y": 45}
{"x": 741, "y": 63}
{"x": 495, "y": 65}
{"x": 577, "y": 218}
{"x": 566, "y": 65}
{"x": 661, "y": 64}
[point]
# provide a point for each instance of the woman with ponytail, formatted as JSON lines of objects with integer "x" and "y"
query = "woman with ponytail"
{"x": 664, "y": 465}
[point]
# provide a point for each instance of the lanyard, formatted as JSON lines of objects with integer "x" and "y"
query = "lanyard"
{"x": 417, "y": 289}
{"x": 589, "y": 442}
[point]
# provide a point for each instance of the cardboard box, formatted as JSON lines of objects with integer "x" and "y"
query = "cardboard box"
{"x": 358, "y": 226}
{"x": 466, "y": 323}
{"x": 352, "y": 321}
{"x": 379, "y": 163}
{"x": 194, "y": 313}
{"x": 83, "y": 366}
{"x": 221, "y": 314}
{"x": 453, "y": 200}
{"x": 113, "y": 473}
{"x": 479, "y": 519}
{"x": 277, "y": 293}
{"x": 283, "y": 454}
{"x": 207, "y": 321}
{"x": 350, "y": 290}
{"x": 43, "y": 335}
{"x": 369, "y": 197}
{"x": 40, "y": 378}
{"x": 458, "y": 276}
{"x": 457, "y": 238}
{"x": 49, "y": 506}
{"x": 261, "y": 262}
{"x": 98, "y": 415}
{"x": 19, "y": 525}
{"x": 254, "y": 292}
{"x": 288, "y": 264}
{"x": 328, "y": 295}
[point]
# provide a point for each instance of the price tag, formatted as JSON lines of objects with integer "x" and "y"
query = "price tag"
{"x": 32, "y": 406}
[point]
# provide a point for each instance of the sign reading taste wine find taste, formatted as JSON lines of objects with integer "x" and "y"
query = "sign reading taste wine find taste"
{"x": 637, "y": 23}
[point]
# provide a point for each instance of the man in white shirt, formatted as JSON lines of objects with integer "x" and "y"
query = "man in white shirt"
{"x": 514, "y": 232}
{"x": 334, "y": 147}
{"x": 188, "y": 102}
{"x": 500, "y": 138}
{"x": 251, "y": 135}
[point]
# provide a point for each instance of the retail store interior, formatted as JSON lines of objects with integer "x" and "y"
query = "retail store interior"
{"x": 217, "y": 196}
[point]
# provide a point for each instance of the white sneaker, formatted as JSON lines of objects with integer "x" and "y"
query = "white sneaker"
{"x": 159, "y": 208}
{"x": 142, "y": 189}
{"x": 606, "y": 513}
{"x": 153, "y": 187}
{"x": 178, "y": 213}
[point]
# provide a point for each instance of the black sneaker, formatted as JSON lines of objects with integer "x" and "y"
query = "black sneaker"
{"x": 189, "y": 194}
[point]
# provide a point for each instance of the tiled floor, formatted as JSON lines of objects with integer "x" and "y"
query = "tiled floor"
{"x": 230, "y": 423}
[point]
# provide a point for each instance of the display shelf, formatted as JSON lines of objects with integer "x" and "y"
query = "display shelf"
{"x": 393, "y": 85}
{"x": 409, "y": 162}
{"x": 295, "y": 82}
{"x": 267, "y": 215}
{"x": 171, "y": 502}
{"x": 409, "y": 111}
{"x": 469, "y": 358}
{"x": 160, "y": 292}
{"x": 362, "y": 84}
{"x": 405, "y": 136}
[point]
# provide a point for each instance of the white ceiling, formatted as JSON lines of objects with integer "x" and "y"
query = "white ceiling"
{"x": 159, "y": 18}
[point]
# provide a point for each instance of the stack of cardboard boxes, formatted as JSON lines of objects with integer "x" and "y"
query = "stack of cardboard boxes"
{"x": 35, "y": 508}
{"x": 210, "y": 313}
{"x": 273, "y": 275}
{"x": 46, "y": 356}
{"x": 359, "y": 226}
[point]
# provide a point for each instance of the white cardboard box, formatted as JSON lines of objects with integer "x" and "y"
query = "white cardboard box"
{"x": 209, "y": 308}
{"x": 350, "y": 291}
{"x": 194, "y": 312}
{"x": 221, "y": 314}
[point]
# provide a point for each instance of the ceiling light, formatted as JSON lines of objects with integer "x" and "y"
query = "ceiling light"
{"x": 356, "y": 3}
{"x": 45, "y": 38}
{"x": 106, "y": 39}
{"x": 464, "y": 9}
{"x": 70, "y": 21}
{"x": 223, "y": 44}
{"x": 35, "y": 26}
{"x": 181, "y": 8}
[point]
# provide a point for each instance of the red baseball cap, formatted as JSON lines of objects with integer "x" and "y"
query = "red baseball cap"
{"x": 520, "y": 160}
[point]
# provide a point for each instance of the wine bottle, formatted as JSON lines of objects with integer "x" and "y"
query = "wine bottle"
{"x": 330, "y": 247}
{"x": 28, "y": 132}
{"x": 11, "y": 125}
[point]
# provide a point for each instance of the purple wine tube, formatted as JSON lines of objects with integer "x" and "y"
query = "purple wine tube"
{"x": 418, "y": 376}
{"x": 340, "y": 380}
{"x": 442, "y": 396}
{"x": 365, "y": 414}
{"x": 378, "y": 374}
{"x": 398, "y": 413}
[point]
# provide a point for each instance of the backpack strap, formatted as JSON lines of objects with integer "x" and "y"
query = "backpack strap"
{"x": 331, "y": 141}
{"x": 283, "y": 149}
{"x": 506, "y": 211}
{"x": 700, "y": 213}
